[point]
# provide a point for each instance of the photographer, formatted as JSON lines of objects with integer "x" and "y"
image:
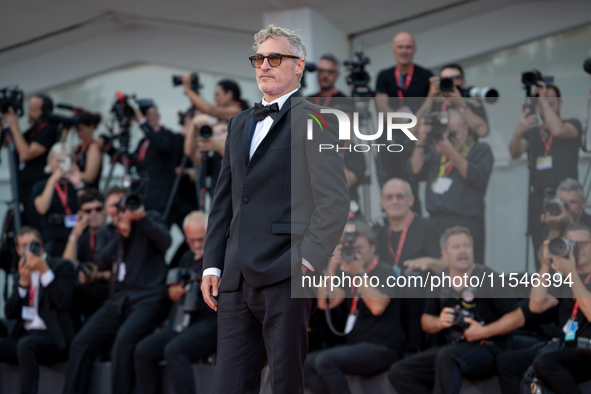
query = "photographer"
{"x": 39, "y": 303}
{"x": 558, "y": 364}
{"x": 376, "y": 339}
{"x": 456, "y": 168}
{"x": 226, "y": 95}
{"x": 55, "y": 199}
{"x": 408, "y": 243}
{"x": 153, "y": 158}
{"x": 475, "y": 327}
{"x": 327, "y": 73}
{"x": 138, "y": 299}
{"x": 190, "y": 333}
{"x": 32, "y": 147}
{"x": 92, "y": 288}
{"x": 88, "y": 154}
{"x": 472, "y": 109}
{"x": 552, "y": 148}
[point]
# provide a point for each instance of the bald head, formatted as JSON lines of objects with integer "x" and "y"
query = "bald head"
{"x": 194, "y": 226}
{"x": 403, "y": 48}
{"x": 397, "y": 199}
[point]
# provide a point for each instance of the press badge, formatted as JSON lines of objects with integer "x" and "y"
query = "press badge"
{"x": 350, "y": 323}
{"x": 570, "y": 329}
{"x": 544, "y": 163}
{"x": 397, "y": 271}
{"x": 121, "y": 272}
{"x": 441, "y": 185}
{"x": 70, "y": 220}
{"x": 28, "y": 313}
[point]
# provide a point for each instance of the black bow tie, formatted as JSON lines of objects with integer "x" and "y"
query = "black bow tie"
{"x": 262, "y": 111}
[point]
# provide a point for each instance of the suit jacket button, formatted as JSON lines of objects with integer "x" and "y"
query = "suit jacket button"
{"x": 245, "y": 200}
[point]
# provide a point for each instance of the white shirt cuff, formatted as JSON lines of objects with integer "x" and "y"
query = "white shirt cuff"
{"x": 212, "y": 271}
{"x": 22, "y": 292}
{"x": 307, "y": 264}
{"x": 47, "y": 278}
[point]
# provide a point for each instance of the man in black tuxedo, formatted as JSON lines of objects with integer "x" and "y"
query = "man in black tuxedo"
{"x": 251, "y": 238}
{"x": 40, "y": 303}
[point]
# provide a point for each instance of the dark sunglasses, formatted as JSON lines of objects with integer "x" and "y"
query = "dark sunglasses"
{"x": 89, "y": 210}
{"x": 274, "y": 59}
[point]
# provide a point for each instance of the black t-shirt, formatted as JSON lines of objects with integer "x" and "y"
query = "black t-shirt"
{"x": 419, "y": 87}
{"x": 566, "y": 305}
{"x": 422, "y": 240}
{"x": 485, "y": 309}
{"x": 564, "y": 153}
{"x": 385, "y": 329}
{"x": 44, "y": 134}
{"x": 52, "y": 223}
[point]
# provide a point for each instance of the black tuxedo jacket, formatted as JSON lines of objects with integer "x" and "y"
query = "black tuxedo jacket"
{"x": 54, "y": 304}
{"x": 289, "y": 201}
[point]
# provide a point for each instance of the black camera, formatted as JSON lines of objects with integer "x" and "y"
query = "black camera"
{"x": 130, "y": 202}
{"x": 455, "y": 332}
{"x": 122, "y": 111}
{"x": 446, "y": 85}
{"x": 358, "y": 77}
{"x": 205, "y": 131}
{"x": 553, "y": 206}
{"x": 11, "y": 97}
{"x": 531, "y": 78}
{"x": 86, "y": 268}
{"x": 178, "y": 80}
{"x": 72, "y": 121}
{"x": 490, "y": 95}
{"x": 35, "y": 248}
{"x": 348, "y": 251}
{"x": 180, "y": 276}
{"x": 438, "y": 122}
{"x": 562, "y": 247}
{"x": 583, "y": 346}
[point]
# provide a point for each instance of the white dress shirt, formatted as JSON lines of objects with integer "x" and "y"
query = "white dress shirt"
{"x": 37, "y": 280}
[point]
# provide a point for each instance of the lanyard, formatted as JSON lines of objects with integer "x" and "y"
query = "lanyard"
{"x": 91, "y": 244}
{"x": 145, "y": 145}
{"x": 83, "y": 149}
{"x": 546, "y": 140}
{"x": 357, "y": 291}
{"x": 326, "y": 99}
{"x": 402, "y": 90}
{"x": 63, "y": 196}
{"x": 576, "y": 307}
{"x": 32, "y": 293}
{"x": 396, "y": 256}
{"x": 446, "y": 164}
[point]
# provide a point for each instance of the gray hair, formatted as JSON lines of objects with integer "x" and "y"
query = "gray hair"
{"x": 570, "y": 185}
{"x": 454, "y": 231}
{"x": 295, "y": 40}
{"x": 194, "y": 216}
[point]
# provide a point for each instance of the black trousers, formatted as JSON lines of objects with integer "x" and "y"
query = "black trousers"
{"x": 35, "y": 348}
{"x": 561, "y": 371}
{"x": 325, "y": 370}
{"x": 474, "y": 224}
{"x": 256, "y": 325}
{"x": 179, "y": 350}
{"x": 440, "y": 369}
{"x": 126, "y": 328}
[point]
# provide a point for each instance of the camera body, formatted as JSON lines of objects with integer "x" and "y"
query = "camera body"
{"x": 358, "y": 76}
{"x": 455, "y": 333}
{"x": 184, "y": 277}
{"x": 553, "y": 206}
{"x": 531, "y": 78}
{"x": 562, "y": 247}
{"x": 130, "y": 202}
{"x": 11, "y": 97}
{"x": 34, "y": 247}
{"x": 438, "y": 122}
{"x": 86, "y": 268}
{"x": 205, "y": 131}
{"x": 348, "y": 251}
{"x": 177, "y": 80}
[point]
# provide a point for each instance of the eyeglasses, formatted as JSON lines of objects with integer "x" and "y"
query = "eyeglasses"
{"x": 274, "y": 59}
{"x": 582, "y": 243}
{"x": 96, "y": 209}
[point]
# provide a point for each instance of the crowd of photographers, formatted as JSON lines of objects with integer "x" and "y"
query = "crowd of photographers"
{"x": 92, "y": 282}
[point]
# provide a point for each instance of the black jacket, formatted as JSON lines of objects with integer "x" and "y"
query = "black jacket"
{"x": 54, "y": 304}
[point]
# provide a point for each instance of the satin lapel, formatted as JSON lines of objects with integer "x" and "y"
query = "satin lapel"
{"x": 247, "y": 137}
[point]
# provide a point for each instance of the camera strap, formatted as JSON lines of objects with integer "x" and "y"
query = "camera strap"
{"x": 356, "y": 291}
{"x": 326, "y": 99}
{"x": 396, "y": 255}
{"x": 33, "y": 290}
{"x": 91, "y": 243}
{"x": 63, "y": 196}
{"x": 145, "y": 145}
{"x": 576, "y": 307}
{"x": 402, "y": 89}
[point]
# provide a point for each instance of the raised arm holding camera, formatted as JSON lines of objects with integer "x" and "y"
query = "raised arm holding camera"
{"x": 375, "y": 337}
{"x": 190, "y": 332}
{"x": 472, "y": 327}
{"x": 138, "y": 300}
{"x": 227, "y": 96}
{"x": 562, "y": 363}
{"x": 40, "y": 301}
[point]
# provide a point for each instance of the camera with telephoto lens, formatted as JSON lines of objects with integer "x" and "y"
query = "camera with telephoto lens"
{"x": 438, "y": 122}
{"x": 184, "y": 277}
{"x": 348, "y": 251}
{"x": 531, "y": 78}
{"x": 11, "y": 97}
{"x": 553, "y": 206}
{"x": 34, "y": 247}
{"x": 130, "y": 202}
{"x": 562, "y": 247}
{"x": 490, "y": 95}
{"x": 195, "y": 86}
